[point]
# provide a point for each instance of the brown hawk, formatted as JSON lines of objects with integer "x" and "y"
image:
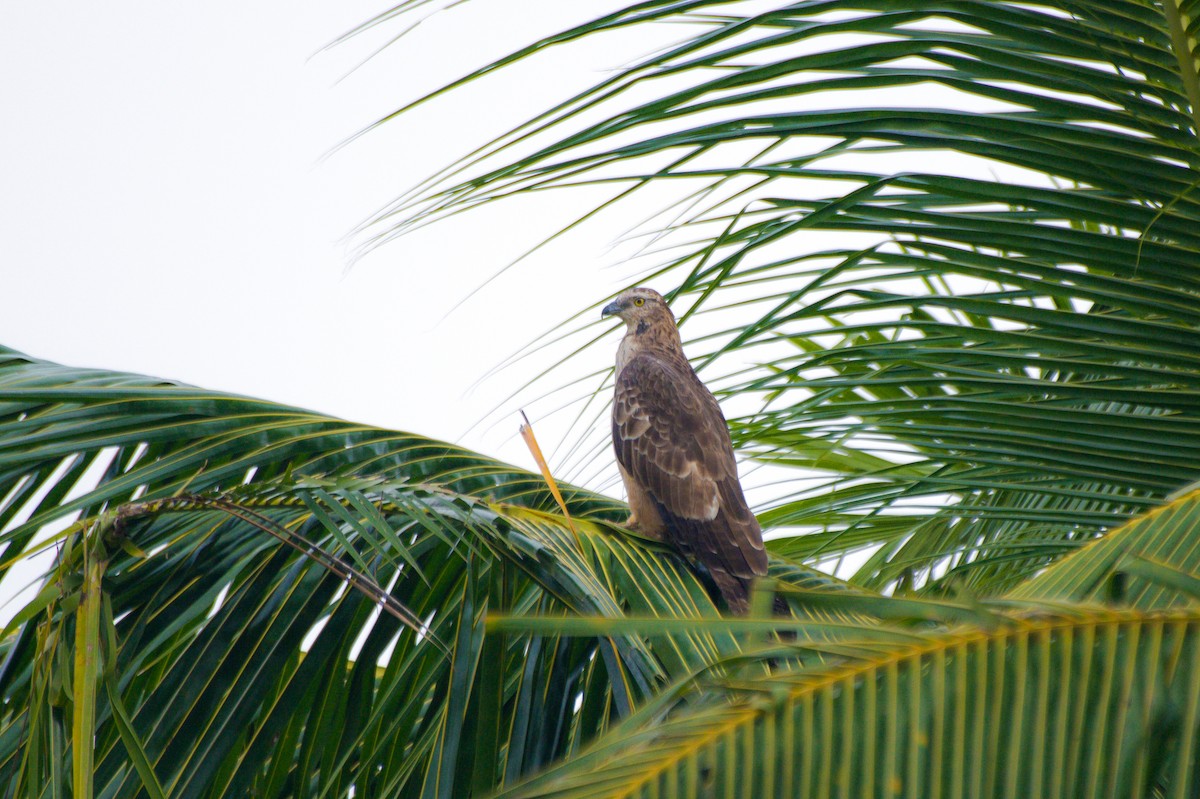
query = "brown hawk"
{"x": 674, "y": 451}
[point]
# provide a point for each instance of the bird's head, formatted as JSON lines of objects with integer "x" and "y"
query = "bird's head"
{"x": 637, "y": 305}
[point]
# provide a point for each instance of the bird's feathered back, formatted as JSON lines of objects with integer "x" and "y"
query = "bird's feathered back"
{"x": 675, "y": 454}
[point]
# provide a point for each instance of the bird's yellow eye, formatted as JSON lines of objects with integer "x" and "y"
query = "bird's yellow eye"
{"x": 639, "y": 301}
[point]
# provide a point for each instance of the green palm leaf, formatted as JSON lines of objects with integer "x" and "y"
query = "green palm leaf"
{"x": 1031, "y": 695}
{"x": 1090, "y": 703}
{"x": 1148, "y": 563}
{"x": 278, "y": 602}
{"x": 958, "y": 238}
{"x": 983, "y": 374}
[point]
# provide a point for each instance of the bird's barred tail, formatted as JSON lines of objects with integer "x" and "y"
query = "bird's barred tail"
{"x": 733, "y": 590}
{"x": 736, "y": 593}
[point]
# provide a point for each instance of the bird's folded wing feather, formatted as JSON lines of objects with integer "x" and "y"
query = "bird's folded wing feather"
{"x": 671, "y": 438}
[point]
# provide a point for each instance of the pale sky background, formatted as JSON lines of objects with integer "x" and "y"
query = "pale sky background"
{"x": 166, "y": 207}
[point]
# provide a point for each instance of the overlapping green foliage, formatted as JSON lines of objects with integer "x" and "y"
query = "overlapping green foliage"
{"x": 986, "y": 371}
{"x": 951, "y": 250}
{"x": 258, "y": 600}
{"x": 1043, "y": 697}
{"x": 1090, "y": 705}
{"x": 246, "y": 553}
{"x": 321, "y": 624}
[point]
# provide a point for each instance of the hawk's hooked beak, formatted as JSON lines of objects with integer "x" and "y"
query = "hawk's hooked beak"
{"x": 612, "y": 308}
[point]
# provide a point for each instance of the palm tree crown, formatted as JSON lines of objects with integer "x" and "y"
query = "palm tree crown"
{"x": 956, "y": 246}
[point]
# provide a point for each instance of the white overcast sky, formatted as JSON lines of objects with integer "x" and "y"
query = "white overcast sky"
{"x": 166, "y": 207}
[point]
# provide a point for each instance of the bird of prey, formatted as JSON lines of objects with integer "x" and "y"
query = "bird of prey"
{"x": 674, "y": 452}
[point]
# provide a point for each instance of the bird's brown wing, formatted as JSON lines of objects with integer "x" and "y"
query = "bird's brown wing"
{"x": 671, "y": 438}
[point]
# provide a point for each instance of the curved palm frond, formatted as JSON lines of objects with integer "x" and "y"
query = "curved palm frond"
{"x": 1149, "y": 563}
{"x": 1033, "y": 694}
{"x": 1089, "y": 703}
{"x": 959, "y": 240}
{"x": 252, "y": 599}
{"x": 235, "y": 539}
{"x": 236, "y": 584}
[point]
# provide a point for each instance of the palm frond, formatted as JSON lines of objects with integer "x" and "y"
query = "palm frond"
{"x": 236, "y": 584}
{"x": 958, "y": 238}
{"x": 1149, "y": 563}
{"x": 1034, "y": 694}
{"x": 1081, "y": 704}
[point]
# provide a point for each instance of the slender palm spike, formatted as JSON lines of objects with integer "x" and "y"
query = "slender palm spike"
{"x": 531, "y": 442}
